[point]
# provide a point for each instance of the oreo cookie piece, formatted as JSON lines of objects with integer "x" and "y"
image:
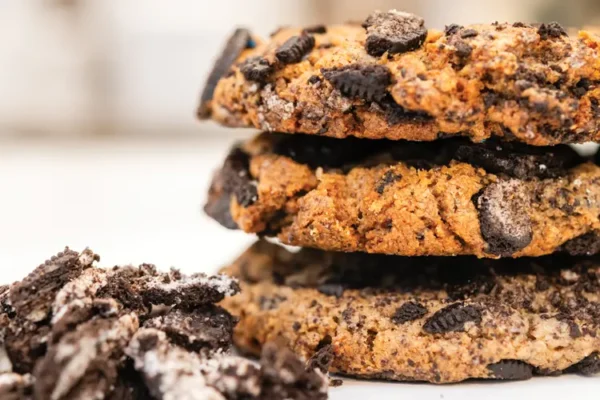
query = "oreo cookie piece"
{"x": 553, "y": 30}
{"x": 452, "y": 318}
{"x": 168, "y": 371}
{"x": 33, "y": 296}
{"x": 189, "y": 292}
{"x": 503, "y": 216}
{"x": 589, "y": 366}
{"x": 285, "y": 376}
{"x": 257, "y": 69}
{"x": 85, "y": 362}
{"x": 295, "y": 48}
{"x": 408, "y": 311}
{"x": 205, "y": 329}
{"x": 394, "y": 32}
{"x": 584, "y": 245}
{"x": 360, "y": 81}
{"x": 513, "y": 370}
{"x": 517, "y": 160}
{"x": 236, "y": 44}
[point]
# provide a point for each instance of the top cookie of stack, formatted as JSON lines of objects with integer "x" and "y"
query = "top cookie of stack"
{"x": 393, "y": 78}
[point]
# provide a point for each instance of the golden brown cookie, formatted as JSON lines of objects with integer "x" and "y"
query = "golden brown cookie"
{"x": 447, "y": 197}
{"x": 429, "y": 319}
{"x": 392, "y": 78}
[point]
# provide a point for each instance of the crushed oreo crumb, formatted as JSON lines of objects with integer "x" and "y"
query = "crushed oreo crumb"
{"x": 394, "y": 32}
{"x": 552, "y": 30}
{"x": 319, "y": 29}
{"x": 387, "y": 179}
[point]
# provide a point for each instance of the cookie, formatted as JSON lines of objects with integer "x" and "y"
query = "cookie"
{"x": 447, "y": 197}
{"x": 393, "y": 78}
{"x": 439, "y": 320}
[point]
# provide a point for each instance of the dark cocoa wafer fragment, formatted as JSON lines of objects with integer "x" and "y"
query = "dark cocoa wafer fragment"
{"x": 322, "y": 359}
{"x": 84, "y": 363}
{"x": 452, "y": 318}
{"x": 237, "y": 42}
{"x": 511, "y": 370}
{"x": 257, "y": 69}
{"x": 505, "y": 224}
{"x": 387, "y": 179}
{"x": 285, "y": 376}
{"x": 394, "y": 32}
{"x": 368, "y": 82}
{"x": 408, "y": 311}
{"x": 189, "y": 292}
{"x": 207, "y": 328}
{"x": 517, "y": 160}
{"x": 588, "y": 366}
{"x": 584, "y": 245}
{"x": 552, "y": 30}
{"x": 236, "y": 178}
{"x": 295, "y": 48}
{"x": 324, "y": 152}
{"x": 32, "y": 297}
{"x": 320, "y": 29}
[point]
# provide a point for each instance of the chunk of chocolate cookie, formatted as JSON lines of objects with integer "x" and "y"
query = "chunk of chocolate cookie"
{"x": 84, "y": 363}
{"x": 295, "y": 48}
{"x": 503, "y": 215}
{"x": 511, "y": 370}
{"x": 394, "y": 32}
{"x": 205, "y": 329}
{"x": 257, "y": 69}
{"x": 452, "y": 318}
{"x": 362, "y": 81}
{"x": 236, "y": 44}
{"x": 33, "y": 296}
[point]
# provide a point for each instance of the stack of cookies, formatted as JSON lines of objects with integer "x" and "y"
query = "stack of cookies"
{"x": 448, "y": 230}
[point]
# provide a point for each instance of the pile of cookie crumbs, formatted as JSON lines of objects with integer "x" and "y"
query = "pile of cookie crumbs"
{"x": 72, "y": 330}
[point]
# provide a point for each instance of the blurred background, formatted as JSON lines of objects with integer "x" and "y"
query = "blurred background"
{"x": 98, "y": 141}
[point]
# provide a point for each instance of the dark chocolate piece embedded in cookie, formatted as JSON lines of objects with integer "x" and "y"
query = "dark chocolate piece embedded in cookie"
{"x": 448, "y": 197}
{"x": 295, "y": 48}
{"x": 367, "y": 82}
{"x": 239, "y": 41}
{"x": 402, "y": 313}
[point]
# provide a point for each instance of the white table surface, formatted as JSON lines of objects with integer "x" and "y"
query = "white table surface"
{"x": 137, "y": 202}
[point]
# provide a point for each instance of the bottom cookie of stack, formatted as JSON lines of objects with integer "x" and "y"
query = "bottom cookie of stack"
{"x": 429, "y": 319}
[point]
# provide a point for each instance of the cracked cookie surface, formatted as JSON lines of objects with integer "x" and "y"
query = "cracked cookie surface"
{"x": 447, "y": 197}
{"x": 392, "y": 78}
{"x": 439, "y": 320}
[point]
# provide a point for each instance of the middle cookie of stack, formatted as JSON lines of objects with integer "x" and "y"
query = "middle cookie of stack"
{"x": 446, "y": 197}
